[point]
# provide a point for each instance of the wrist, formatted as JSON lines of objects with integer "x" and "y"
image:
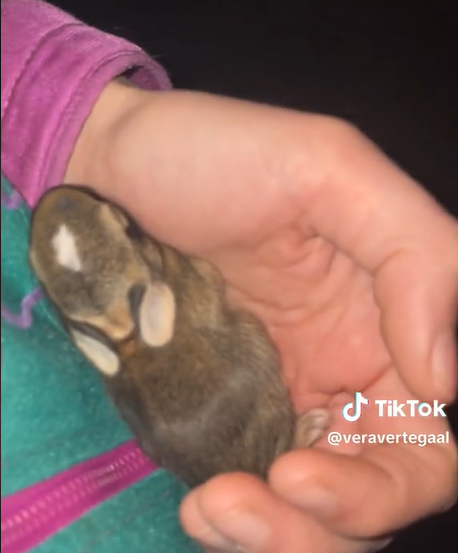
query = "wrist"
{"x": 90, "y": 158}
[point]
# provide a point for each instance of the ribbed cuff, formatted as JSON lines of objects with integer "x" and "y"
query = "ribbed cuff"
{"x": 52, "y": 75}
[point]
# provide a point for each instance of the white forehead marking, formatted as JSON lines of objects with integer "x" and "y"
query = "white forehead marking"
{"x": 65, "y": 247}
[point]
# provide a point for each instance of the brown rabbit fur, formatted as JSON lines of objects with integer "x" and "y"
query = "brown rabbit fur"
{"x": 198, "y": 382}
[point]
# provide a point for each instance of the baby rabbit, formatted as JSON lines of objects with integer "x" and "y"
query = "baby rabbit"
{"x": 197, "y": 382}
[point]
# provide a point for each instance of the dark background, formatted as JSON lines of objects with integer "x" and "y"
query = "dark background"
{"x": 388, "y": 67}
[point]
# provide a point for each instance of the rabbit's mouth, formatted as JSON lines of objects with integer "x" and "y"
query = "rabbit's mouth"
{"x": 110, "y": 326}
{"x": 91, "y": 331}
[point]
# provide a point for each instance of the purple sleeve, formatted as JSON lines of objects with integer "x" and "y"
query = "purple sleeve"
{"x": 54, "y": 68}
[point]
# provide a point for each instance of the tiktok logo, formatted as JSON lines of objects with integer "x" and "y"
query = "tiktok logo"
{"x": 352, "y": 411}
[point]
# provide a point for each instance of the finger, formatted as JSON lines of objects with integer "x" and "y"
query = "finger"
{"x": 384, "y": 490}
{"x": 386, "y": 222}
{"x": 195, "y": 524}
{"x": 243, "y": 512}
{"x": 238, "y": 513}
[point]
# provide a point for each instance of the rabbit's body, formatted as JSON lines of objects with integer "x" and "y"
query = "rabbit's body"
{"x": 198, "y": 383}
{"x": 235, "y": 417}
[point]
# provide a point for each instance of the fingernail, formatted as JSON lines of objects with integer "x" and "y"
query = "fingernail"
{"x": 317, "y": 501}
{"x": 380, "y": 545}
{"x": 247, "y": 530}
{"x": 444, "y": 364}
{"x": 210, "y": 538}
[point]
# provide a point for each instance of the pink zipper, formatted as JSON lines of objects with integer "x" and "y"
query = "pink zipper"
{"x": 31, "y": 516}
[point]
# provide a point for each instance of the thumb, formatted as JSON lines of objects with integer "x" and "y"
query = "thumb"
{"x": 418, "y": 296}
{"x": 374, "y": 494}
{"x": 390, "y": 226}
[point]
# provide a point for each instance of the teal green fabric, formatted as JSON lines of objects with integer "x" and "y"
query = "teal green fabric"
{"x": 142, "y": 519}
{"x": 54, "y": 410}
{"x": 54, "y": 414}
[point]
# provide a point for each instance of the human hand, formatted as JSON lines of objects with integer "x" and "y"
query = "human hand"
{"x": 350, "y": 264}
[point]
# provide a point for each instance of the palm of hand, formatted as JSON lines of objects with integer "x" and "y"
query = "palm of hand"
{"x": 321, "y": 312}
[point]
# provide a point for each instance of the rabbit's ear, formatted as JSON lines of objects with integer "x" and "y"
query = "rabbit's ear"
{"x": 98, "y": 353}
{"x": 156, "y": 314}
